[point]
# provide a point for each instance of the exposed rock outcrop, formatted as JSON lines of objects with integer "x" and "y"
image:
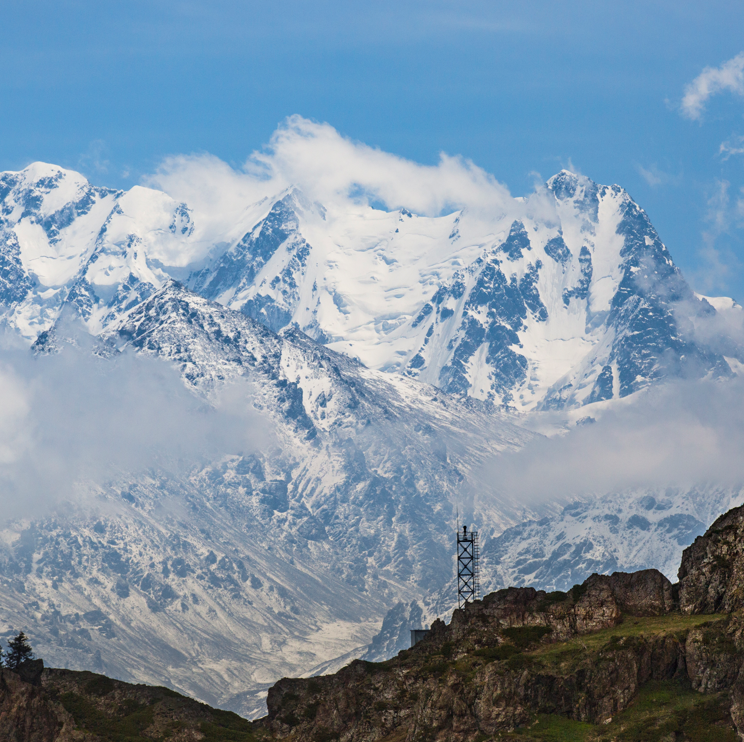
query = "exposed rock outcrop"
{"x": 28, "y": 714}
{"x": 711, "y": 575}
{"x": 584, "y": 655}
{"x": 598, "y": 603}
{"x": 644, "y": 593}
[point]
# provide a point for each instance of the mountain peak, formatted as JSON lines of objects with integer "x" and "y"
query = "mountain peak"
{"x": 45, "y": 171}
{"x": 566, "y": 184}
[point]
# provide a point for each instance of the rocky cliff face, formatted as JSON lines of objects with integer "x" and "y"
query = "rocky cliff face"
{"x": 523, "y": 660}
{"x": 711, "y": 576}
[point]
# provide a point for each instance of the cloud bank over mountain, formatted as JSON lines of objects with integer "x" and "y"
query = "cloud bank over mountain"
{"x": 71, "y": 421}
{"x": 683, "y": 435}
{"x": 330, "y": 168}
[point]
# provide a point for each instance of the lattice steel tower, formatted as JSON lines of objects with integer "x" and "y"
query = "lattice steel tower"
{"x": 468, "y": 587}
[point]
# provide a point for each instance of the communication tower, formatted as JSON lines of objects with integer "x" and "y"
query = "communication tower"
{"x": 468, "y": 587}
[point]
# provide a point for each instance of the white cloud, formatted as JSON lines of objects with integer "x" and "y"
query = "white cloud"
{"x": 716, "y": 267}
{"x": 682, "y": 434}
{"x": 651, "y": 176}
{"x": 329, "y": 168}
{"x": 93, "y": 159}
{"x": 655, "y": 176}
{"x": 218, "y": 194}
{"x": 71, "y": 422}
{"x": 732, "y": 147}
{"x": 728, "y": 77}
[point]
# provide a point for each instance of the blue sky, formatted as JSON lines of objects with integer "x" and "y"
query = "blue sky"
{"x": 521, "y": 88}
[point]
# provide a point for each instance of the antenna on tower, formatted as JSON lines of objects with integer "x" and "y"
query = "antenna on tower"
{"x": 468, "y": 586}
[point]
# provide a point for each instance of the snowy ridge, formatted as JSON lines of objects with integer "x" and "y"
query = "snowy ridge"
{"x": 640, "y": 529}
{"x": 563, "y": 316}
{"x": 569, "y": 300}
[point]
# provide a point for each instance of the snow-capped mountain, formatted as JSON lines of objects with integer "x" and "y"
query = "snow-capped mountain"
{"x": 386, "y": 353}
{"x": 569, "y": 299}
{"x": 563, "y": 315}
{"x": 258, "y": 565}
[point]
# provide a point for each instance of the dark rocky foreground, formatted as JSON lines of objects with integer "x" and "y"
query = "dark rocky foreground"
{"x": 48, "y": 705}
{"x": 619, "y": 657}
{"x": 625, "y": 656}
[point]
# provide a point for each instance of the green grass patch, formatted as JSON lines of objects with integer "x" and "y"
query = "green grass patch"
{"x": 668, "y": 708}
{"x": 496, "y": 654}
{"x": 126, "y": 726}
{"x": 552, "y": 728}
{"x": 148, "y": 713}
{"x": 568, "y": 653}
{"x": 225, "y": 726}
{"x": 615, "y": 644}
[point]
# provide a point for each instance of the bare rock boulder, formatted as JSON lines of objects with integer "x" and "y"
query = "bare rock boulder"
{"x": 711, "y": 575}
{"x": 644, "y": 593}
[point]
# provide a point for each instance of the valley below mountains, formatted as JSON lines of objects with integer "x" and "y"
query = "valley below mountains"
{"x": 371, "y": 367}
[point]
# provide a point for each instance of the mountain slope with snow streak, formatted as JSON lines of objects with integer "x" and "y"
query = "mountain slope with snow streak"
{"x": 253, "y": 565}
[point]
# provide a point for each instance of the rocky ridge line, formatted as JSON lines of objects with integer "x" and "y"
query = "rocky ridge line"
{"x": 520, "y": 653}
{"x": 40, "y": 704}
